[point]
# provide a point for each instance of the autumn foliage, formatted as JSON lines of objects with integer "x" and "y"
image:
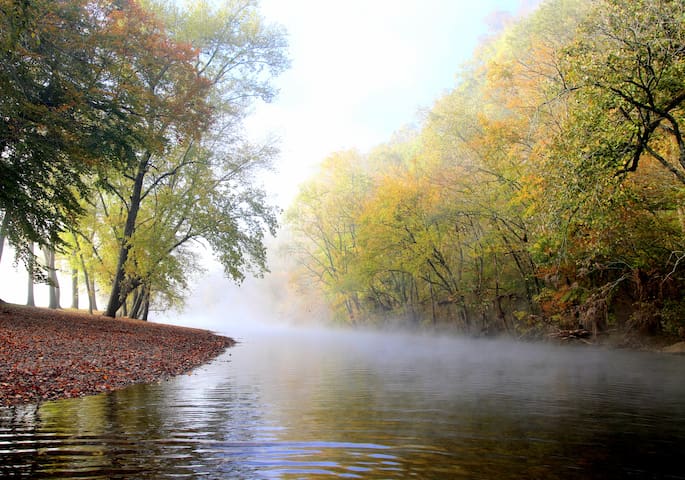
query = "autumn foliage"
{"x": 121, "y": 141}
{"x": 544, "y": 191}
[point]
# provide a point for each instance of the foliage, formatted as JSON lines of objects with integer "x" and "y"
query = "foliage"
{"x": 627, "y": 67}
{"x": 673, "y": 318}
{"x": 325, "y": 221}
{"x": 234, "y": 55}
{"x": 60, "y": 122}
{"x": 121, "y": 139}
{"x": 535, "y": 194}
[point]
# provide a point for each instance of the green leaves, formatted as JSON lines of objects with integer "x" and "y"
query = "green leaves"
{"x": 131, "y": 111}
{"x": 628, "y": 69}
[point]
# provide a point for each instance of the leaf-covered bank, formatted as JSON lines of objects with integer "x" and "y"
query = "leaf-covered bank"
{"x": 50, "y": 354}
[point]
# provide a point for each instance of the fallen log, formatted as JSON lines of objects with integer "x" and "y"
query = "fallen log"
{"x": 576, "y": 334}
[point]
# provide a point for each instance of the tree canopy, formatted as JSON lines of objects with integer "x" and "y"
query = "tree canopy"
{"x": 60, "y": 119}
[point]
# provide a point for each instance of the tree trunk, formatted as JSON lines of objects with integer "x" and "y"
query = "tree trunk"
{"x": 89, "y": 289}
{"x": 74, "y": 288}
{"x": 141, "y": 303}
{"x": 93, "y": 299}
{"x": 87, "y": 279}
{"x": 30, "y": 300}
{"x": 119, "y": 292}
{"x": 146, "y": 307}
{"x": 3, "y": 229}
{"x": 137, "y": 303}
{"x": 433, "y": 315}
{"x": 53, "y": 282}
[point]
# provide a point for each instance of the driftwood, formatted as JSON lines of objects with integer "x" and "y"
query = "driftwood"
{"x": 577, "y": 334}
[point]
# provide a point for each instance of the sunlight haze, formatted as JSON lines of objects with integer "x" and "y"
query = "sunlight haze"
{"x": 362, "y": 70}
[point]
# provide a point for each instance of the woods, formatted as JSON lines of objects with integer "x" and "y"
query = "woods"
{"x": 122, "y": 142}
{"x": 543, "y": 192}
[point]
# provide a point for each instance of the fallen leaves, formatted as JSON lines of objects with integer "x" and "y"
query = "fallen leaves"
{"x": 50, "y": 354}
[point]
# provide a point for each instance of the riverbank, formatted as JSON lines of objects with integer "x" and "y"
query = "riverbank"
{"x": 621, "y": 340}
{"x": 51, "y": 354}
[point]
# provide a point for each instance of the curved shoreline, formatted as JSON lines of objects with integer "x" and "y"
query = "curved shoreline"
{"x": 52, "y": 354}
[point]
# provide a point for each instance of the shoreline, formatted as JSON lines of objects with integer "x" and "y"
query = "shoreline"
{"x": 50, "y": 354}
{"x": 55, "y": 354}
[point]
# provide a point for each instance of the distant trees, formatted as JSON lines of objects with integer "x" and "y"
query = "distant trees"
{"x": 544, "y": 190}
{"x": 325, "y": 219}
{"x": 121, "y": 138}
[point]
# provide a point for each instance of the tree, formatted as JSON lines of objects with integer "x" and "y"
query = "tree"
{"x": 234, "y": 55}
{"x": 444, "y": 230}
{"x": 210, "y": 202}
{"x": 53, "y": 282}
{"x": 168, "y": 97}
{"x": 627, "y": 70}
{"x": 3, "y": 228}
{"x": 401, "y": 248}
{"x": 324, "y": 221}
{"x": 604, "y": 200}
{"x": 61, "y": 120}
{"x": 30, "y": 300}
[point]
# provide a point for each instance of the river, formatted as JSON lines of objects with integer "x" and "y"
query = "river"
{"x": 307, "y": 403}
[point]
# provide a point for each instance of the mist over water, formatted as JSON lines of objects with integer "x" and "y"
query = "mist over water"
{"x": 297, "y": 399}
{"x": 218, "y": 304}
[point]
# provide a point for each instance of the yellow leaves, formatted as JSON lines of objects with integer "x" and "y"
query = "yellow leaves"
{"x": 502, "y": 176}
{"x": 531, "y": 189}
{"x": 119, "y": 23}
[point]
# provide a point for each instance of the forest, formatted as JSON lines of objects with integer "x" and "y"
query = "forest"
{"x": 122, "y": 147}
{"x": 545, "y": 191}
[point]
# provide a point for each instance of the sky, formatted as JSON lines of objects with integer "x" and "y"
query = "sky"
{"x": 360, "y": 70}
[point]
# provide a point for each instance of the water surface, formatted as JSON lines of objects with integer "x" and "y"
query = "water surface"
{"x": 321, "y": 404}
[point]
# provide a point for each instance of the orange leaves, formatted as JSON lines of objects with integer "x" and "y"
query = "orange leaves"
{"x": 153, "y": 76}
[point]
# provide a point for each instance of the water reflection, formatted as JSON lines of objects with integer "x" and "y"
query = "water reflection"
{"x": 316, "y": 405}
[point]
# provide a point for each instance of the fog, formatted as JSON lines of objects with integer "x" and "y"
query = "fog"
{"x": 217, "y": 304}
{"x": 213, "y": 301}
{"x": 315, "y": 402}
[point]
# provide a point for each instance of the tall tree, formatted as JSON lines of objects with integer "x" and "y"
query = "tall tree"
{"x": 234, "y": 54}
{"x": 30, "y": 298}
{"x": 627, "y": 71}
{"x": 3, "y": 229}
{"x": 52, "y": 280}
{"x": 168, "y": 99}
{"x": 61, "y": 117}
{"x": 211, "y": 202}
